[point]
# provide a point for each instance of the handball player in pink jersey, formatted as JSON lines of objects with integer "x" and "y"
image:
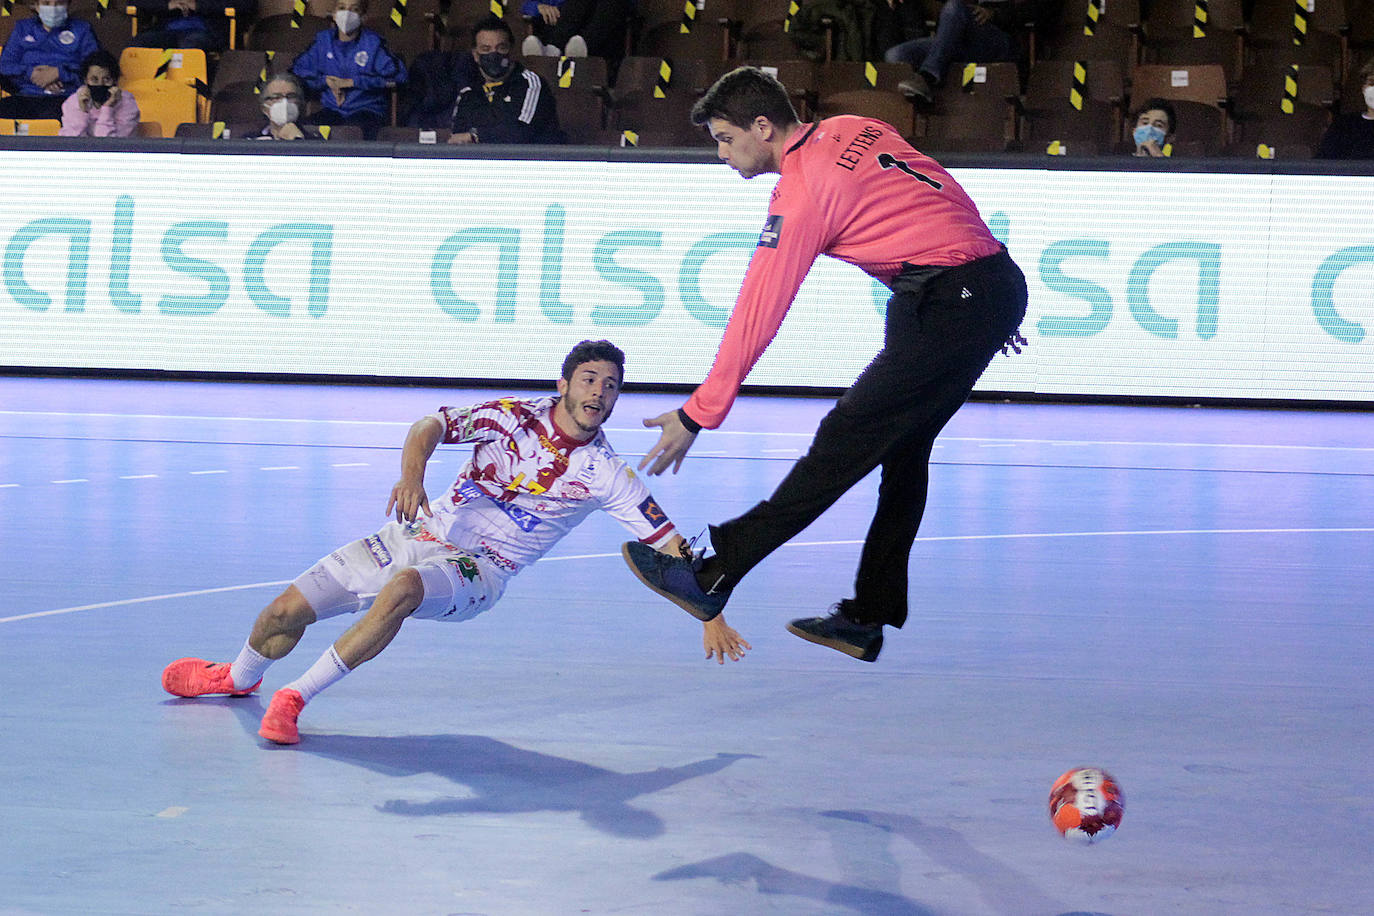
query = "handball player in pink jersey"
{"x": 539, "y": 467}
{"x": 854, "y": 189}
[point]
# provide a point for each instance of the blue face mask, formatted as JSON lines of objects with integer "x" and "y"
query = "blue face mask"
{"x": 1147, "y": 132}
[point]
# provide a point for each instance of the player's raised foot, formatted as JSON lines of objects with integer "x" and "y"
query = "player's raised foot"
{"x": 860, "y": 640}
{"x": 195, "y": 677}
{"x": 675, "y": 578}
{"x": 279, "y": 722}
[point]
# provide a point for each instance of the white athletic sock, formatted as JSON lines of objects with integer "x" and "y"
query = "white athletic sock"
{"x": 328, "y": 669}
{"x": 248, "y": 667}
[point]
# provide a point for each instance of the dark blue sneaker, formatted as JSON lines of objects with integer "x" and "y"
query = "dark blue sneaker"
{"x": 861, "y": 640}
{"x": 675, "y": 578}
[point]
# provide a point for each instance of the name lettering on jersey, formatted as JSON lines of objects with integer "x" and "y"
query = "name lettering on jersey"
{"x": 772, "y": 231}
{"x": 652, "y": 513}
{"x": 889, "y": 161}
{"x": 858, "y": 147}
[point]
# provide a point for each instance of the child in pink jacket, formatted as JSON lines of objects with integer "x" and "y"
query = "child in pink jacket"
{"x": 99, "y": 108}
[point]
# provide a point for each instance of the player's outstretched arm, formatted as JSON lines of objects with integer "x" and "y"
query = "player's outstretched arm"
{"x": 720, "y": 640}
{"x": 408, "y": 496}
{"x": 673, "y": 442}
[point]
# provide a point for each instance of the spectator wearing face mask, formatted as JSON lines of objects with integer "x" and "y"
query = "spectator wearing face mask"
{"x": 99, "y": 108}
{"x": 41, "y": 63}
{"x": 1155, "y": 125}
{"x": 282, "y": 99}
{"x": 498, "y": 100}
{"x": 189, "y": 23}
{"x": 352, "y": 70}
{"x": 1351, "y": 136}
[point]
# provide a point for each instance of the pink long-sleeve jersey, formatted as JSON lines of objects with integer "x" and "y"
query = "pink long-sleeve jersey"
{"x": 851, "y": 188}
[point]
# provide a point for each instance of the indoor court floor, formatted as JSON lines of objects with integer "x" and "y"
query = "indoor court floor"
{"x": 1182, "y": 596}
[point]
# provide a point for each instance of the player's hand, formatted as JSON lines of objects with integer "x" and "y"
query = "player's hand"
{"x": 672, "y": 445}
{"x": 720, "y": 640}
{"x": 408, "y": 498}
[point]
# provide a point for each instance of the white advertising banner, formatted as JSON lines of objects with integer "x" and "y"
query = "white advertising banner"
{"x": 1147, "y": 284}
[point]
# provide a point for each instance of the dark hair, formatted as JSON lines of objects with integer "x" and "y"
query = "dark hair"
{"x": 1159, "y": 105}
{"x": 742, "y": 95}
{"x": 492, "y": 23}
{"x": 591, "y": 351}
{"x": 100, "y": 58}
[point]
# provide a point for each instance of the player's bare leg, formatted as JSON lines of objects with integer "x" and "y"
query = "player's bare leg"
{"x": 359, "y": 643}
{"x": 275, "y": 632}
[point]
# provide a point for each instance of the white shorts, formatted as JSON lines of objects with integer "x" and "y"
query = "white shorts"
{"x": 458, "y": 585}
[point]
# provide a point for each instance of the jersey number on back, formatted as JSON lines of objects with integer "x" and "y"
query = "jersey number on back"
{"x": 889, "y": 161}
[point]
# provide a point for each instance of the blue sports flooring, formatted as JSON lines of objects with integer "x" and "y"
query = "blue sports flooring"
{"x": 1182, "y": 596}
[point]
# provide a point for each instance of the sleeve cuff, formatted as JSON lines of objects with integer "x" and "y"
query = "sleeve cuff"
{"x": 693, "y": 426}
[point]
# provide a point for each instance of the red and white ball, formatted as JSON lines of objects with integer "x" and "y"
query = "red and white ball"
{"x": 1086, "y": 805}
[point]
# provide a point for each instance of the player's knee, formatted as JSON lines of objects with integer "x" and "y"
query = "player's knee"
{"x": 288, "y": 611}
{"x": 407, "y": 590}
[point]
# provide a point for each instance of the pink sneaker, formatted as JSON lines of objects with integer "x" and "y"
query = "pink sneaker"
{"x": 279, "y": 722}
{"x": 195, "y": 677}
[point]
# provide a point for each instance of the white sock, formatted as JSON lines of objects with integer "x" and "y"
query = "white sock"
{"x": 248, "y": 667}
{"x": 328, "y": 669}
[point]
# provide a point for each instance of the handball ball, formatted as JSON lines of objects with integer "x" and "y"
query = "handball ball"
{"x": 1086, "y": 805}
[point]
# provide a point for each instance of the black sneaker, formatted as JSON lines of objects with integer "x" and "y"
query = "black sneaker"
{"x": 675, "y": 578}
{"x": 861, "y": 640}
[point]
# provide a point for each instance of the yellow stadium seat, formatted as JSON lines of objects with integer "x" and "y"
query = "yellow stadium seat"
{"x": 29, "y": 127}
{"x": 182, "y": 65}
{"x": 165, "y": 102}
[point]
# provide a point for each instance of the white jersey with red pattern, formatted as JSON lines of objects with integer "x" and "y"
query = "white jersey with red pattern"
{"x": 528, "y": 485}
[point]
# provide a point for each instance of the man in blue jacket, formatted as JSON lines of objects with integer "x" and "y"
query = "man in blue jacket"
{"x": 41, "y": 63}
{"x": 352, "y": 70}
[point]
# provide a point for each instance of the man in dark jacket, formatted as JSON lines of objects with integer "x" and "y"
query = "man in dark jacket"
{"x": 484, "y": 95}
{"x": 500, "y": 101}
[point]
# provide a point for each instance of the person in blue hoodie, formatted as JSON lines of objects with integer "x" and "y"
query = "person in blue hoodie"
{"x": 41, "y": 63}
{"x": 352, "y": 70}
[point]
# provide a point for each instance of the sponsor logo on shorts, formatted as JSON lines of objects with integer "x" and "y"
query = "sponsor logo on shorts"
{"x": 466, "y": 566}
{"x": 378, "y": 550}
{"x": 652, "y": 513}
{"x": 772, "y": 231}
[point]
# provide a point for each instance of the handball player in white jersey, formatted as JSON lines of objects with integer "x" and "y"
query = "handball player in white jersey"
{"x": 538, "y": 468}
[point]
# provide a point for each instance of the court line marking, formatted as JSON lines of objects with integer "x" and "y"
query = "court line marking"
{"x": 124, "y": 602}
{"x": 717, "y": 432}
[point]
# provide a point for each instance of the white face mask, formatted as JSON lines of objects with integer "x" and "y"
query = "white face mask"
{"x": 283, "y": 111}
{"x": 347, "y": 21}
{"x": 1369, "y": 96}
{"x": 51, "y": 16}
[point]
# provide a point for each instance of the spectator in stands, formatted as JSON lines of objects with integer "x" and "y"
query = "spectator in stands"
{"x": 1155, "y": 125}
{"x": 352, "y": 70}
{"x": 1351, "y": 136}
{"x": 983, "y": 32}
{"x": 41, "y": 63}
{"x": 99, "y": 108}
{"x": 577, "y": 28}
{"x": 189, "y": 23}
{"x": 498, "y": 100}
{"x": 282, "y": 99}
